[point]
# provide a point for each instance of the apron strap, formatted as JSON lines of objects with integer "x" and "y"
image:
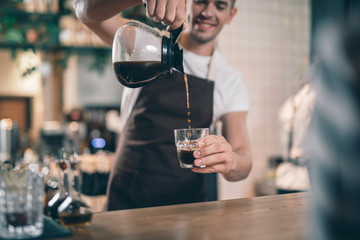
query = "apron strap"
{"x": 211, "y": 74}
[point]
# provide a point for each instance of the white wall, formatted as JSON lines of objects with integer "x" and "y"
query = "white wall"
{"x": 267, "y": 41}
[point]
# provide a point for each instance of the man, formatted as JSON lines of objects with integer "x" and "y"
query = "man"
{"x": 146, "y": 171}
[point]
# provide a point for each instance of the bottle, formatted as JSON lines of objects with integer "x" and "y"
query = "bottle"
{"x": 51, "y": 179}
{"x": 9, "y": 141}
{"x": 62, "y": 193}
{"x": 140, "y": 54}
{"x": 73, "y": 211}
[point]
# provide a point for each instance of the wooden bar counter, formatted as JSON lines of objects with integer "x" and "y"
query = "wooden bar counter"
{"x": 270, "y": 217}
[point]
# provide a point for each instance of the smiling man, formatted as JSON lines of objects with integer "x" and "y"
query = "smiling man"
{"x": 207, "y": 20}
{"x": 146, "y": 171}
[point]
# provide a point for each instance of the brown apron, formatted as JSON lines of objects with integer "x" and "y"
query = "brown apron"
{"x": 146, "y": 171}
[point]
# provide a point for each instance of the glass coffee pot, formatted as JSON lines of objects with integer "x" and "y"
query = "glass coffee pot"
{"x": 141, "y": 53}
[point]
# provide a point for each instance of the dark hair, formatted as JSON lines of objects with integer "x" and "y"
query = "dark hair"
{"x": 232, "y": 3}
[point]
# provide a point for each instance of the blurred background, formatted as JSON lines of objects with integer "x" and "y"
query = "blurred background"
{"x": 58, "y": 86}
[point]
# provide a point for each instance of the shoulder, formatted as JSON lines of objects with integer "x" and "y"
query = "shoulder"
{"x": 230, "y": 90}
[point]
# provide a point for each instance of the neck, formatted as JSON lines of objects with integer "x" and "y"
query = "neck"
{"x": 203, "y": 49}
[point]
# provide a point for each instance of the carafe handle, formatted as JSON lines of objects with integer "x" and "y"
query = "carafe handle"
{"x": 174, "y": 34}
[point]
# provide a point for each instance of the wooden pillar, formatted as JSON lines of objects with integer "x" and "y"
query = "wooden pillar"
{"x": 53, "y": 87}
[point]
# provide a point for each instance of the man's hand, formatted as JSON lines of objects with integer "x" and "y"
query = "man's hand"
{"x": 229, "y": 155}
{"x": 170, "y": 13}
{"x": 214, "y": 152}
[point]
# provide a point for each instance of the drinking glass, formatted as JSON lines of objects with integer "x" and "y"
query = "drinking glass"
{"x": 21, "y": 203}
{"x": 186, "y": 140}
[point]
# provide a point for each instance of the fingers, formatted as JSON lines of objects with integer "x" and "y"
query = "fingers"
{"x": 170, "y": 27}
{"x": 212, "y": 144}
{"x": 221, "y": 166}
{"x": 179, "y": 17}
{"x": 214, "y": 152}
{"x": 220, "y": 163}
{"x": 170, "y": 13}
{"x": 156, "y": 9}
{"x": 150, "y": 8}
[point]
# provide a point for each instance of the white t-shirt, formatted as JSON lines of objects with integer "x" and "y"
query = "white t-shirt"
{"x": 230, "y": 93}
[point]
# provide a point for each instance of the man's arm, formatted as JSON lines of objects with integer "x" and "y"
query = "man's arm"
{"x": 229, "y": 155}
{"x": 102, "y": 16}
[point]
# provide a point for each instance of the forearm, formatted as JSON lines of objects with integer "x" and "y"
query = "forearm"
{"x": 102, "y": 16}
{"x": 235, "y": 131}
{"x": 96, "y": 11}
{"x": 241, "y": 166}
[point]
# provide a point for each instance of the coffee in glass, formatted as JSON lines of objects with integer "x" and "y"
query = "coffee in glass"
{"x": 186, "y": 144}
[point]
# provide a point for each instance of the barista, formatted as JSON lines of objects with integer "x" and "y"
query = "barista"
{"x": 146, "y": 171}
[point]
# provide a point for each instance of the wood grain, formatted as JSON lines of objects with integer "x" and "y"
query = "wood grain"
{"x": 270, "y": 217}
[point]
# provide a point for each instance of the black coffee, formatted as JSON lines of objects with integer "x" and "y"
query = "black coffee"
{"x": 136, "y": 72}
{"x": 186, "y": 156}
{"x": 187, "y": 102}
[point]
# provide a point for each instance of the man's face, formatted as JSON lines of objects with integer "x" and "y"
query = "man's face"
{"x": 209, "y": 17}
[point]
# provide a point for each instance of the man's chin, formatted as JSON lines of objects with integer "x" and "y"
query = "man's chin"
{"x": 201, "y": 39}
